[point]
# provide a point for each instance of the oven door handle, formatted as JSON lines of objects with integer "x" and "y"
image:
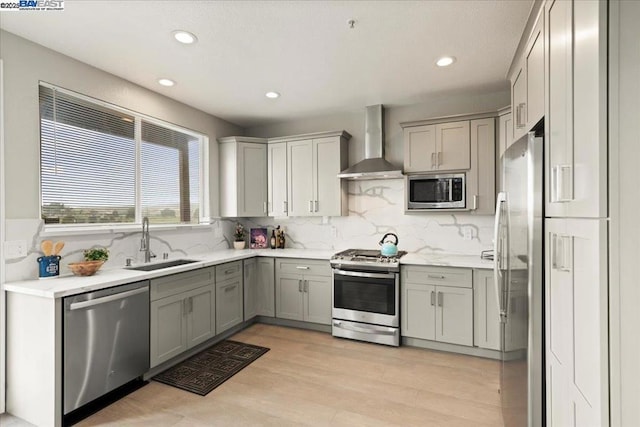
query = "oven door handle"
{"x": 377, "y": 330}
{"x": 365, "y": 274}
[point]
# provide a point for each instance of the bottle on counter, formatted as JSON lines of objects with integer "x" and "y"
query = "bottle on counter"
{"x": 272, "y": 242}
{"x": 277, "y": 237}
{"x": 282, "y": 239}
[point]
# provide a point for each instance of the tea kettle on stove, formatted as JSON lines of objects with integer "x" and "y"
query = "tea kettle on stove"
{"x": 388, "y": 247}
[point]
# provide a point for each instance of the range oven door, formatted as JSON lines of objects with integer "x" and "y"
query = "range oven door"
{"x": 366, "y": 297}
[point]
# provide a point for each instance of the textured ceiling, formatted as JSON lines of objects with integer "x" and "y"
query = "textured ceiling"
{"x": 303, "y": 49}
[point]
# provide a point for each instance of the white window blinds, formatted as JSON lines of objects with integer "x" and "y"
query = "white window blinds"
{"x": 170, "y": 165}
{"x": 88, "y": 164}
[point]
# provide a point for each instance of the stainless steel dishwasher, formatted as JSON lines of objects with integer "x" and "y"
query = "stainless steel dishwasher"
{"x": 106, "y": 341}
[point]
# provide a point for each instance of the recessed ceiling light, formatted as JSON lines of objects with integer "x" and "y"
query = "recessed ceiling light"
{"x": 272, "y": 95}
{"x": 445, "y": 61}
{"x": 166, "y": 82}
{"x": 184, "y": 36}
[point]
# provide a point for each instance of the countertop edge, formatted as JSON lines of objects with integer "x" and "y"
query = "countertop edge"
{"x": 53, "y": 288}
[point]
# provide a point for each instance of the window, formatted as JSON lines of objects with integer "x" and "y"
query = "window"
{"x": 101, "y": 164}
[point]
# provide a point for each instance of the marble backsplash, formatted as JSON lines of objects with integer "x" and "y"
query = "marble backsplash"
{"x": 122, "y": 245}
{"x": 375, "y": 208}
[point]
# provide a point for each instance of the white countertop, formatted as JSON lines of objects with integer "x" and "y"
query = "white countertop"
{"x": 66, "y": 285}
{"x": 447, "y": 260}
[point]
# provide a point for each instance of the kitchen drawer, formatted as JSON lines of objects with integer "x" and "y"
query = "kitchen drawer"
{"x": 440, "y": 276}
{"x": 303, "y": 266}
{"x": 166, "y": 286}
{"x": 228, "y": 271}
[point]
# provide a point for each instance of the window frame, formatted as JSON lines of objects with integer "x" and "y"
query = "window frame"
{"x": 204, "y": 218}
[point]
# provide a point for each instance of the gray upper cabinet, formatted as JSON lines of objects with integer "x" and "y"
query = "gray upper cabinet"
{"x": 303, "y": 173}
{"x": 462, "y": 146}
{"x": 277, "y": 179}
{"x": 527, "y": 83}
{"x": 439, "y": 147}
{"x": 243, "y": 176}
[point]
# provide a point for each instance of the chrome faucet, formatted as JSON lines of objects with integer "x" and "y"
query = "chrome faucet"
{"x": 144, "y": 242}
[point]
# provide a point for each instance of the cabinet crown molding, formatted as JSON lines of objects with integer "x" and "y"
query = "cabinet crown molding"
{"x": 242, "y": 139}
{"x": 452, "y": 118}
{"x": 340, "y": 133}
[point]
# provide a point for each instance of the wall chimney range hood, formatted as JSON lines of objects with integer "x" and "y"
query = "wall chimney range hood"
{"x": 374, "y": 166}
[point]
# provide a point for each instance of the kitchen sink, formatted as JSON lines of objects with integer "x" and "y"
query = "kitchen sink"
{"x": 161, "y": 265}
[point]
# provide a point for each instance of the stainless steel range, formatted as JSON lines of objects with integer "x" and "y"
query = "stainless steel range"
{"x": 366, "y": 296}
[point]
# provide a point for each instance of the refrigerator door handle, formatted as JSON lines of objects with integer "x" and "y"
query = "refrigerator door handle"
{"x": 499, "y": 253}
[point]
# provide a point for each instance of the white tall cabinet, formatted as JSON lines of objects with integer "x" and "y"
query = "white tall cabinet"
{"x": 576, "y": 131}
{"x": 576, "y": 318}
{"x": 576, "y": 228}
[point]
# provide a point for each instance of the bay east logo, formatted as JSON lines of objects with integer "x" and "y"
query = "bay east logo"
{"x": 37, "y": 5}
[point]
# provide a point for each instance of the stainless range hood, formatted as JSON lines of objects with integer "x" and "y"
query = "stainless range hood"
{"x": 374, "y": 166}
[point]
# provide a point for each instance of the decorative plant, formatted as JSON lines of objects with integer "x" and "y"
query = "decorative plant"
{"x": 239, "y": 233}
{"x": 96, "y": 254}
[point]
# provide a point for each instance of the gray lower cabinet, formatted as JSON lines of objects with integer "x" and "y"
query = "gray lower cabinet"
{"x": 265, "y": 287}
{"x": 182, "y": 313}
{"x": 437, "y": 304}
{"x": 229, "y": 295}
{"x": 259, "y": 292}
{"x": 486, "y": 316}
{"x": 251, "y": 299}
{"x": 303, "y": 290}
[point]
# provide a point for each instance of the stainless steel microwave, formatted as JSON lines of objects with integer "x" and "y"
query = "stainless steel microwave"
{"x": 438, "y": 191}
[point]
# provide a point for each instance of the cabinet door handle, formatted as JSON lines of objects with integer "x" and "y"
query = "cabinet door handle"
{"x": 306, "y": 286}
{"x": 435, "y": 276}
{"x": 440, "y": 299}
{"x": 302, "y": 267}
{"x": 439, "y": 159}
{"x": 561, "y": 189}
{"x": 315, "y": 204}
{"x": 519, "y": 113}
{"x": 284, "y": 206}
{"x": 433, "y": 298}
{"x": 230, "y": 271}
{"x": 310, "y": 205}
{"x": 185, "y": 307}
{"x": 561, "y": 257}
{"x": 433, "y": 160}
{"x": 300, "y": 285}
{"x": 230, "y": 287}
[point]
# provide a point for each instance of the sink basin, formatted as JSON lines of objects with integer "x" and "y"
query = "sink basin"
{"x": 161, "y": 265}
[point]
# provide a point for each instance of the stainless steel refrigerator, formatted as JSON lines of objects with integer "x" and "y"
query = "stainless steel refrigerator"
{"x": 518, "y": 271}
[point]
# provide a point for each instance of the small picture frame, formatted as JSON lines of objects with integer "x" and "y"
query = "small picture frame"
{"x": 259, "y": 239}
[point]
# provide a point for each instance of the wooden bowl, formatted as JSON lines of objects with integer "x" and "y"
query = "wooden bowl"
{"x": 85, "y": 268}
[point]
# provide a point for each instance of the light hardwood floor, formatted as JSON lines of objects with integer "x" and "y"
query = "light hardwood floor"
{"x": 311, "y": 378}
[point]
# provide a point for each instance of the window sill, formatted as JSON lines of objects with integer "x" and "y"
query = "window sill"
{"x": 61, "y": 230}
